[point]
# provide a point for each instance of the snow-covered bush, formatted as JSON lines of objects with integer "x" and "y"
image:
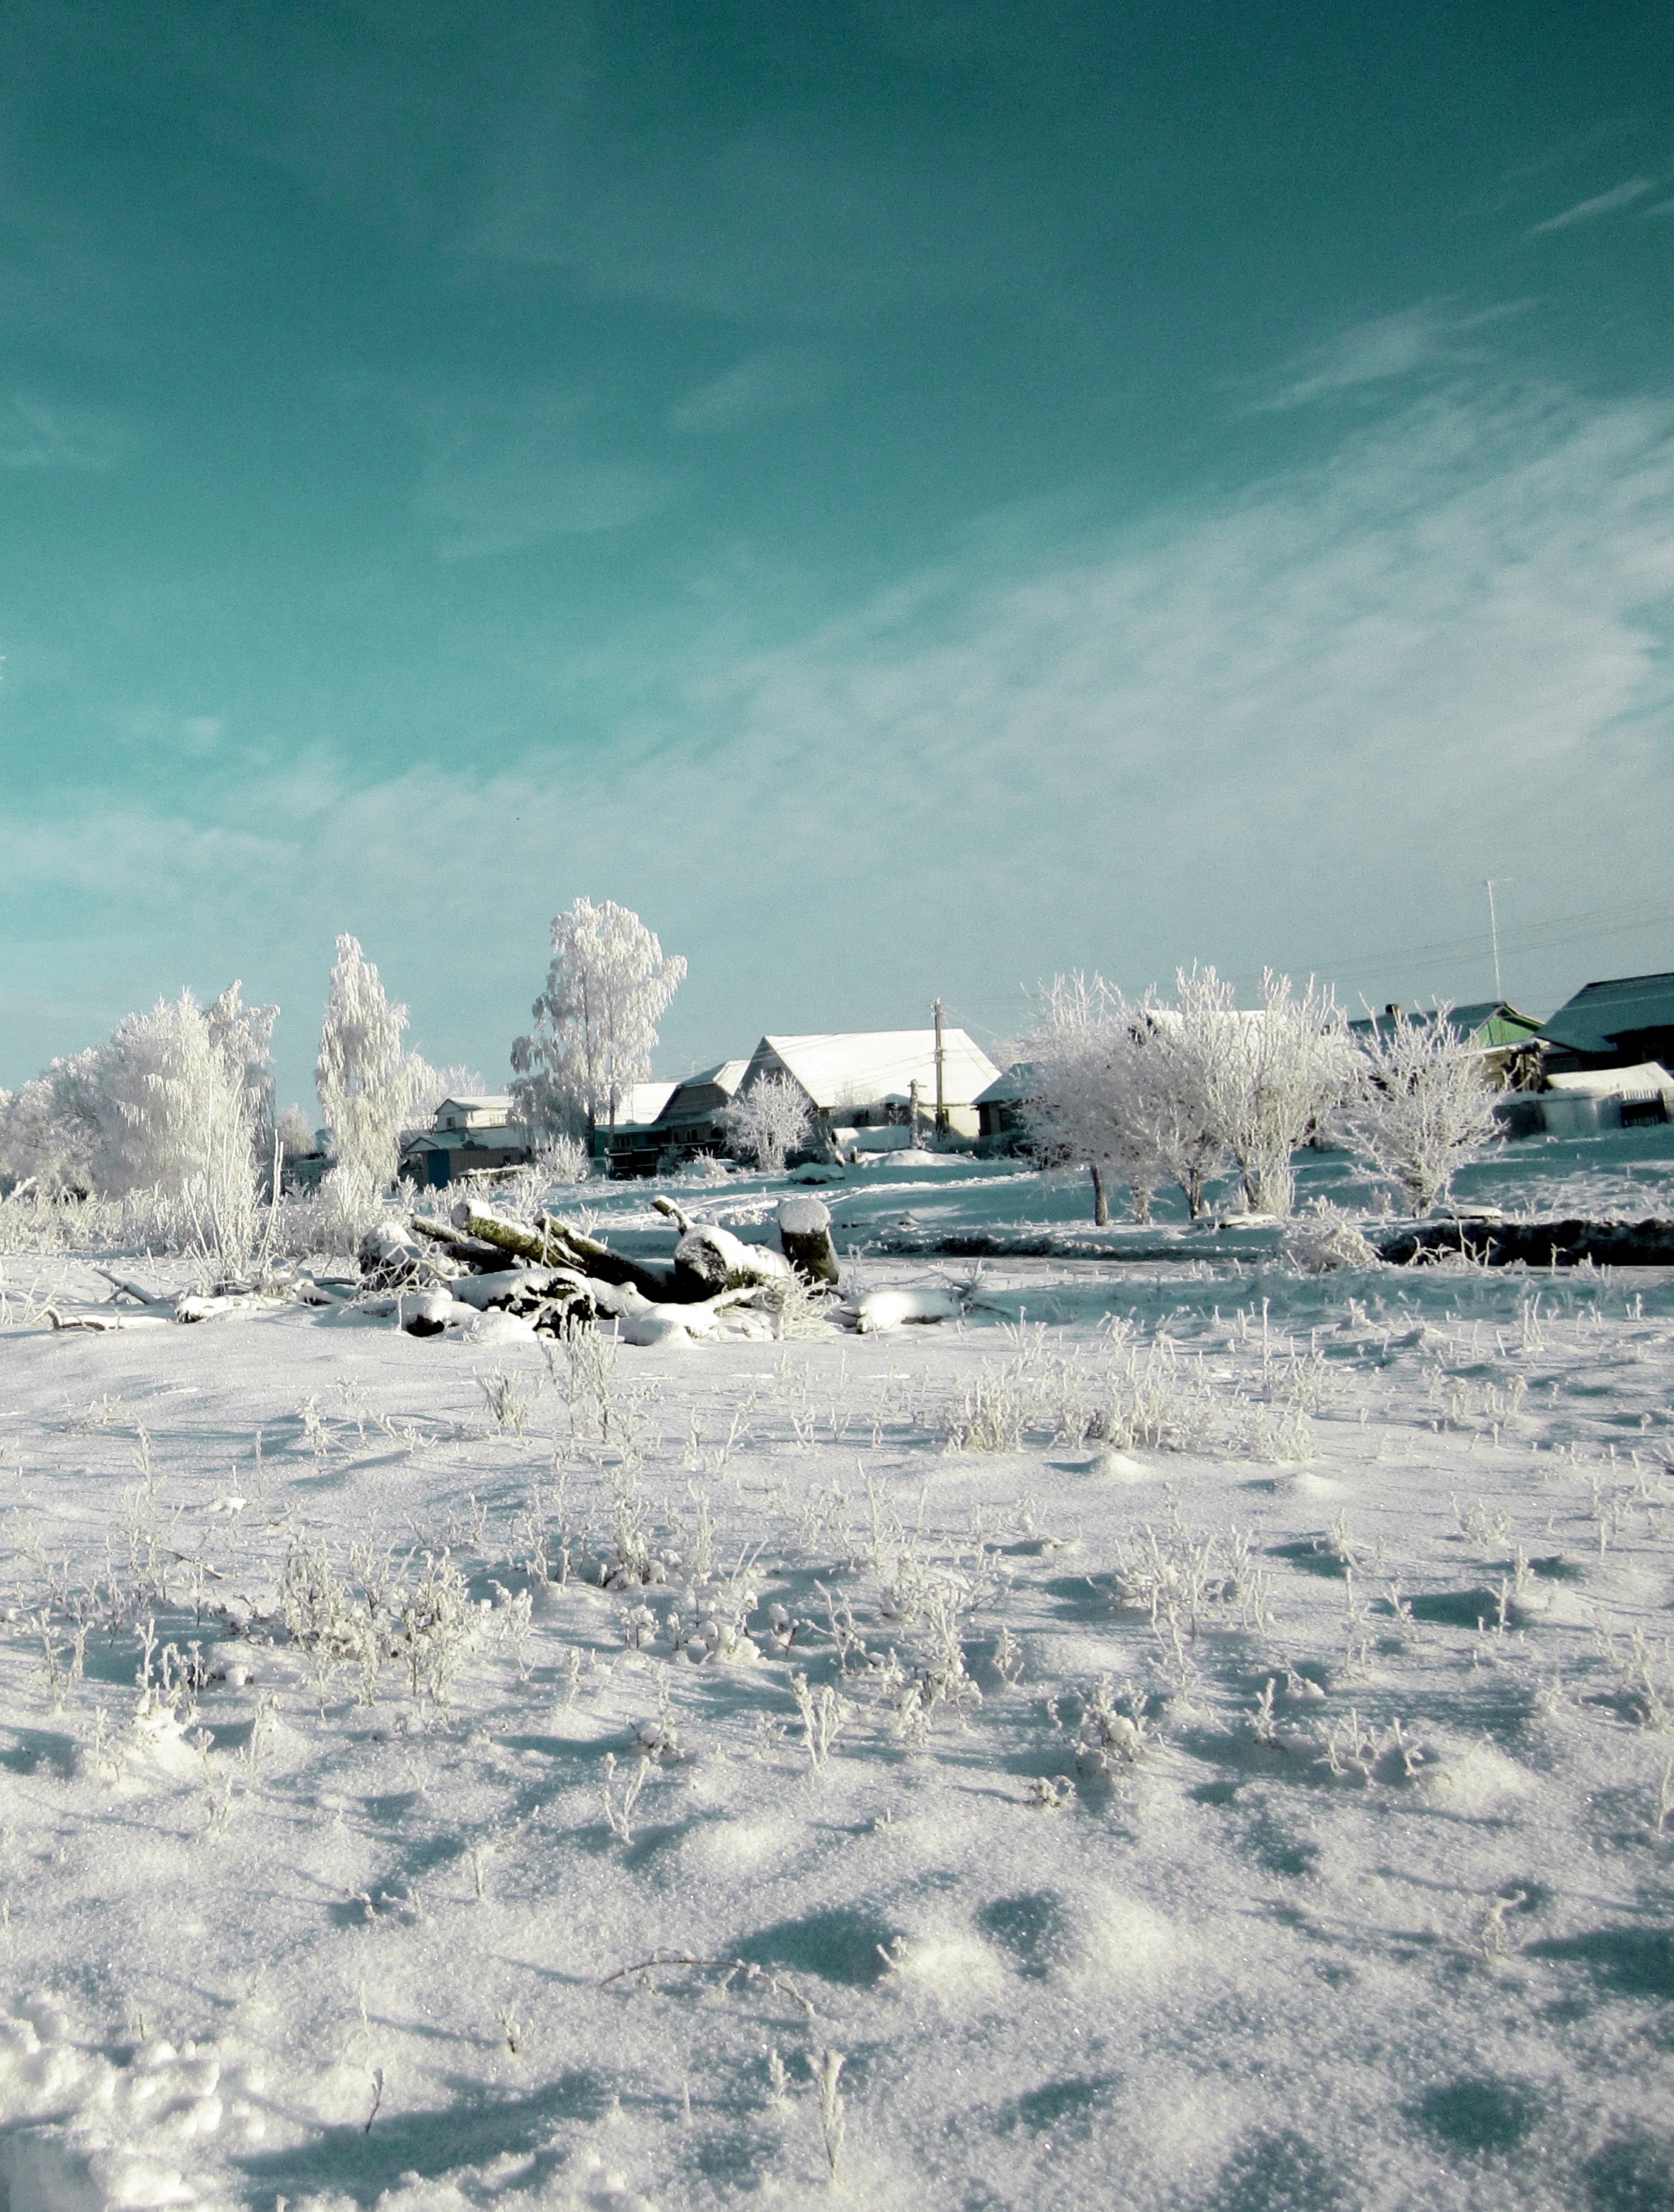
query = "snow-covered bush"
{"x": 768, "y": 1120}
{"x": 608, "y": 986}
{"x": 1326, "y": 1237}
{"x": 1269, "y": 1074}
{"x": 563, "y": 1159}
{"x": 1422, "y": 1106}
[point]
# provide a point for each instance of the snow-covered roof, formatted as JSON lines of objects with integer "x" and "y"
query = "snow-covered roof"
{"x": 1647, "y": 1080}
{"x": 1491, "y": 1023}
{"x": 1015, "y": 1087}
{"x": 859, "y": 1067}
{"x": 500, "y": 1103}
{"x": 641, "y": 1103}
{"x": 695, "y": 1096}
{"x": 1600, "y": 1014}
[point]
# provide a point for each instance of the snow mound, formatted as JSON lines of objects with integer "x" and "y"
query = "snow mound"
{"x": 1475, "y": 1778}
{"x": 734, "y": 1846}
{"x": 950, "y": 1965}
{"x": 1122, "y": 1940}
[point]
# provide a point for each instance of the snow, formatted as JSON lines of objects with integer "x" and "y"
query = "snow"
{"x": 1286, "y": 1819}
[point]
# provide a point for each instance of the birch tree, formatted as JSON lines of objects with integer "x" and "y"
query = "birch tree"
{"x": 608, "y": 986}
{"x": 363, "y": 1080}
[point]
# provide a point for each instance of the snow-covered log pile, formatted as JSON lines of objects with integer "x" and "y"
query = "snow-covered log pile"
{"x": 554, "y": 1276}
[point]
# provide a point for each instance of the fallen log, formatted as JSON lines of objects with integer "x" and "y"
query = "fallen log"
{"x": 473, "y": 1252}
{"x": 126, "y": 1287}
{"x": 709, "y": 1259}
{"x": 805, "y": 1235}
{"x": 551, "y": 1242}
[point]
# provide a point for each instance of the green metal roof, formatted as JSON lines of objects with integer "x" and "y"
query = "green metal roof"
{"x": 1601, "y": 1012}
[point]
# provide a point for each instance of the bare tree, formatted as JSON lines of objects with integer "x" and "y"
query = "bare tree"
{"x": 1172, "y": 1079}
{"x": 608, "y": 986}
{"x": 1269, "y": 1073}
{"x": 768, "y": 1120}
{"x": 1423, "y": 1104}
{"x": 1096, "y": 1069}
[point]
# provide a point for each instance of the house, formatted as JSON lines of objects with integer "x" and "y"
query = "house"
{"x": 864, "y": 1082}
{"x": 1002, "y": 1110}
{"x": 695, "y": 1119}
{"x": 1621, "y": 1024}
{"x": 624, "y": 1145}
{"x": 466, "y": 1136}
{"x": 1509, "y": 1040}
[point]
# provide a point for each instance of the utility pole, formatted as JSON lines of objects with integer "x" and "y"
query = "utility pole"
{"x": 941, "y": 1087}
{"x": 1488, "y": 883}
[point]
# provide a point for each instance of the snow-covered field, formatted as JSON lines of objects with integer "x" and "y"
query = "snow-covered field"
{"x": 1187, "y": 1736}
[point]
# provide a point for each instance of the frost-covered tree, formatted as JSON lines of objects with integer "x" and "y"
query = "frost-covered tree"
{"x": 177, "y": 1105}
{"x": 769, "y": 1120}
{"x": 1269, "y": 1073}
{"x": 1175, "y": 1100}
{"x": 1097, "y": 1069}
{"x": 424, "y": 1087}
{"x": 295, "y": 1132}
{"x": 1421, "y": 1107}
{"x": 363, "y": 1080}
{"x": 608, "y": 986}
{"x": 49, "y": 1133}
{"x": 243, "y": 1035}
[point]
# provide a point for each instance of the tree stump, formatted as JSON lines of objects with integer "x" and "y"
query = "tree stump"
{"x": 804, "y": 1238}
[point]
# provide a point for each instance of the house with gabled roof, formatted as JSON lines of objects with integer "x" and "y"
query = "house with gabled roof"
{"x": 1618, "y": 1024}
{"x": 876, "y": 1078}
{"x": 690, "y": 1120}
{"x": 466, "y": 1136}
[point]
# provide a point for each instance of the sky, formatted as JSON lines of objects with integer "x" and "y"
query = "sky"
{"x": 910, "y": 499}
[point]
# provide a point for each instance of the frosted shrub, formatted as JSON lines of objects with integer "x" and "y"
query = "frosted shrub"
{"x": 1152, "y": 1399}
{"x": 1000, "y": 1406}
{"x": 1108, "y": 1736}
{"x": 563, "y": 1159}
{"x": 1423, "y": 1104}
{"x": 770, "y": 1120}
{"x": 438, "y": 1624}
{"x": 1326, "y": 1237}
{"x": 510, "y": 1400}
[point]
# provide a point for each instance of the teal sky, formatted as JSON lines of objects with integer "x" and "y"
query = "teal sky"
{"x": 910, "y": 497}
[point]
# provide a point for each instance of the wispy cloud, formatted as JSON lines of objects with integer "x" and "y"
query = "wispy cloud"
{"x": 36, "y": 434}
{"x": 1248, "y": 730}
{"x": 502, "y": 471}
{"x": 778, "y": 382}
{"x": 1431, "y": 335}
{"x": 1619, "y": 196}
